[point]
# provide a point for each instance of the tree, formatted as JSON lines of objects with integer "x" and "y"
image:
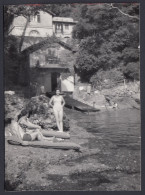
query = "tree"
{"x": 108, "y": 36}
{"x": 106, "y": 79}
{"x": 131, "y": 71}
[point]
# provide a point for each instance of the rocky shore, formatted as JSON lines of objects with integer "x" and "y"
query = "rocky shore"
{"x": 40, "y": 112}
{"x": 103, "y": 167}
{"x": 33, "y": 169}
{"x": 126, "y": 96}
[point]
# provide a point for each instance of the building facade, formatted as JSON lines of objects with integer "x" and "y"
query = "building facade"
{"x": 43, "y": 24}
{"x": 63, "y": 27}
{"x": 44, "y": 63}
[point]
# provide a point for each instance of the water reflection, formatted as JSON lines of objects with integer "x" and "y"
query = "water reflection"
{"x": 119, "y": 127}
{"x": 117, "y": 136}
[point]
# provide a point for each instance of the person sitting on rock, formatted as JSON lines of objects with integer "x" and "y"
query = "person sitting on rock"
{"x": 26, "y": 130}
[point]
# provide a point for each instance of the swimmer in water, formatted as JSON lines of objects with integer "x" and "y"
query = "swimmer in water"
{"x": 57, "y": 102}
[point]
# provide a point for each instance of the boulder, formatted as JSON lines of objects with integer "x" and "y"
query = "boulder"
{"x": 42, "y": 114}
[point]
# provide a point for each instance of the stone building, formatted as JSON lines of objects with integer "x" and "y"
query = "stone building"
{"x": 43, "y": 24}
{"x": 42, "y": 65}
{"x": 63, "y": 27}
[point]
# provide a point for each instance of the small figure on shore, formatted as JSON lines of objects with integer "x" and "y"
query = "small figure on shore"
{"x": 115, "y": 105}
{"x": 26, "y": 130}
{"x": 89, "y": 89}
{"x": 57, "y": 103}
{"x": 108, "y": 100}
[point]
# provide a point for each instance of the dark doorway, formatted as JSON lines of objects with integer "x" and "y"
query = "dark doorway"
{"x": 55, "y": 80}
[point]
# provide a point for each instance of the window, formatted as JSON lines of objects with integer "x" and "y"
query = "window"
{"x": 34, "y": 18}
{"x": 58, "y": 28}
{"x": 66, "y": 26}
{"x": 51, "y": 57}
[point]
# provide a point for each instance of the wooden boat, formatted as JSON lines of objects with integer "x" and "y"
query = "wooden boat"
{"x": 86, "y": 109}
{"x": 44, "y": 144}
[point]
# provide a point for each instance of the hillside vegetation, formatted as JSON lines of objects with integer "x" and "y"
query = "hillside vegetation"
{"x": 108, "y": 39}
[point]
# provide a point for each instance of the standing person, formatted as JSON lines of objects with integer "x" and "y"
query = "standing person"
{"x": 57, "y": 102}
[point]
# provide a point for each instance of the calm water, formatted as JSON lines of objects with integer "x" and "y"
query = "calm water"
{"x": 117, "y": 136}
{"x": 119, "y": 128}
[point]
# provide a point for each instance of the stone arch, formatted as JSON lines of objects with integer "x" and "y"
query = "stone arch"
{"x": 34, "y": 33}
{"x": 48, "y": 41}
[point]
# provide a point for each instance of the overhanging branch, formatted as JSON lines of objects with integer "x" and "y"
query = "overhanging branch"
{"x": 113, "y": 7}
{"x": 23, "y": 34}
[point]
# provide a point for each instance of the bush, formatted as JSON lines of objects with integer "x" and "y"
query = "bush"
{"x": 131, "y": 71}
{"x": 106, "y": 79}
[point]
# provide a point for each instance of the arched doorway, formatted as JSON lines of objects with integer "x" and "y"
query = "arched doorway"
{"x": 55, "y": 81}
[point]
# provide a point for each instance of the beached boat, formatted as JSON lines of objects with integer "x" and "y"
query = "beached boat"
{"x": 44, "y": 144}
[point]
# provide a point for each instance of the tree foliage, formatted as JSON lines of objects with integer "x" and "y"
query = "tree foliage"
{"x": 12, "y": 11}
{"x": 109, "y": 37}
{"x": 131, "y": 71}
{"x": 107, "y": 79}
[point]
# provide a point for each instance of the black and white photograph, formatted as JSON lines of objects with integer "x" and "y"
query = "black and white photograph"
{"x": 72, "y": 97}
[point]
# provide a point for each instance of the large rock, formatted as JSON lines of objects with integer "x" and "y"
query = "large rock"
{"x": 42, "y": 114}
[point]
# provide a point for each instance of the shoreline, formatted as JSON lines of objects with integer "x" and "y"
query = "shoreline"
{"x": 55, "y": 169}
{"x": 124, "y": 96}
{"x": 56, "y": 160}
